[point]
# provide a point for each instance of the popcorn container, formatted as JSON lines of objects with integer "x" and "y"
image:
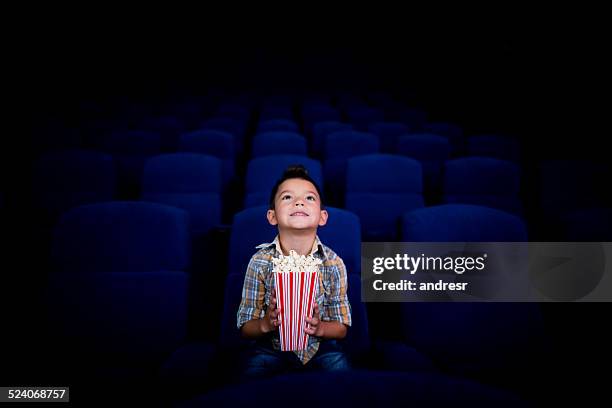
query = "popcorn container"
{"x": 296, "y": 294}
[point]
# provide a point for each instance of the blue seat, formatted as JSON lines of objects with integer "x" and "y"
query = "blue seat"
{"x": 357, "y": 342}
{"x": 263, "y": 172}
{"x": 431, "y": 151}
{"x": 237, "y": 127}
{"x": 230, "y": 338}
{"x": 214, "y": 143}
{"x": 380, "y": 188}
{"x": 462, "y": 223}
{"x": 483, "y": 181}
{"x": 339, "y": 147}
{"x": 118, "y": 292}
{"x": 273, "y": 143}
{"x": 499, "y": 147}
{"x": 387, "y": 389}
{"x": 320, "y": 130}
{"x": 451, "y": 131}
{"x": 495, "y": 338}
{"x": 189, "y": 181}
{"x": 471, "y": 338}
{"x": 118, "y": 236}
{"x": 66, "y": 179}
{"x": 251, "y": 228}
{"x": 344, "y": 144}
{"x": 273, "y": 125}
{"x": 388, "y": 133}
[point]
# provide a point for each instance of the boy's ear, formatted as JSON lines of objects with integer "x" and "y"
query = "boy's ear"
{"x": 323, "y": 218}
{"x": 271, "y": 215}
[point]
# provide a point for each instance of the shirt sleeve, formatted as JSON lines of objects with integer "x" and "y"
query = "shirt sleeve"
{"x": 253, "y": 292}
{"x": 336, "y": 304}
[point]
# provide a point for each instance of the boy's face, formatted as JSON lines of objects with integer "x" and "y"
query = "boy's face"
{"x": 297, "y": 206}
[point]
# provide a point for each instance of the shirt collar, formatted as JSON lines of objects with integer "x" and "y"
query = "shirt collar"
{"x": 317, "y": 246}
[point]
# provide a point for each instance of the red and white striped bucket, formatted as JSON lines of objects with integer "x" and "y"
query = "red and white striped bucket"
{"x": 296, "y": 293}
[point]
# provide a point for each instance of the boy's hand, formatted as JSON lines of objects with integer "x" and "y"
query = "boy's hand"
{"x": 270, "y": 320}
{"x": 314, "y": 326}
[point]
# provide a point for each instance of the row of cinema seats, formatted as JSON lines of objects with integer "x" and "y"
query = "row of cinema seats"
{"x": 233, "y": 133}
{"x": 119, "y": 299}
{"x": 378, "y": 188}
{"x": 125, "y": 292}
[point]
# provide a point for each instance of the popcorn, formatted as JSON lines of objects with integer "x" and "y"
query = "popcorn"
{"x": 296, "y": 280}
{"x": 294, "y": 262}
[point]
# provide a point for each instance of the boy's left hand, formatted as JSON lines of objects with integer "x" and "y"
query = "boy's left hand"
{"x": 315, "y": 325}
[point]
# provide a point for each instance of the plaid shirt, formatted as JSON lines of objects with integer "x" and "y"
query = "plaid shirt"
{"x": 332, "y": 298}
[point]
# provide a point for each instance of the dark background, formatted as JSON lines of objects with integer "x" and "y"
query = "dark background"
{"x": 527, "y": 79}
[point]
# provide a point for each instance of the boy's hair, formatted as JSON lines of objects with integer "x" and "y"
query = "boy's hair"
{"x": 294, "y": 171}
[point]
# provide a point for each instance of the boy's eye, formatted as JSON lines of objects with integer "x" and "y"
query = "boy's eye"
{"x": 285, "y": 197}
{"x": 311, "y": 198}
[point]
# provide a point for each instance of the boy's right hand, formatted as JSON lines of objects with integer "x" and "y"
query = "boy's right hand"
{"x": 270, "y": 320}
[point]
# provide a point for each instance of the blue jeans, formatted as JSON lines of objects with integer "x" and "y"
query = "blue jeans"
{"x": 264, "y": 361}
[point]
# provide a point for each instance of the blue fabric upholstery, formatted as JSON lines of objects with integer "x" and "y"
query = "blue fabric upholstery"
{"x": 274, "y": 125}
{"x": 263, "y": 172}
{"x": 214, "y": 143}
{"x": 388, "y": 133}
{"x": 189, "y": 181}
{"x": 122, "y": 236}
{"x": 380, "y": 188}
{"x": 279, "y": 142}
{"x": 251, "y": 228}
{"x": 367, "y": 388}
{"x": 431, "y": 151}
{"x": 320, "y": 130}
{"x": 462, "y": 223}
{"x": 340, "y": 146}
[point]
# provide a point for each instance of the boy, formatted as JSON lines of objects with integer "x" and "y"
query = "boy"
{"x": 296, "y": 208}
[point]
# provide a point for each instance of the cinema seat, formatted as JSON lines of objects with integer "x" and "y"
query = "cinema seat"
{"x": 380, "y": 188}
{"x": 189, "y": 181}
{"x": 118, "y": 294}
{"x": 388, "y": 133}
{"x": 263, "y": 172}
{"x": 339, "y": 147}
{"x": 251, "y": 228}
{"x": 278, "y": 142}
{"x": 214, "y": 143}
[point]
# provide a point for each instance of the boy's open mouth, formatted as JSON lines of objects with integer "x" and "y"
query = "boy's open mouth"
{"x": 299, "y": 214}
